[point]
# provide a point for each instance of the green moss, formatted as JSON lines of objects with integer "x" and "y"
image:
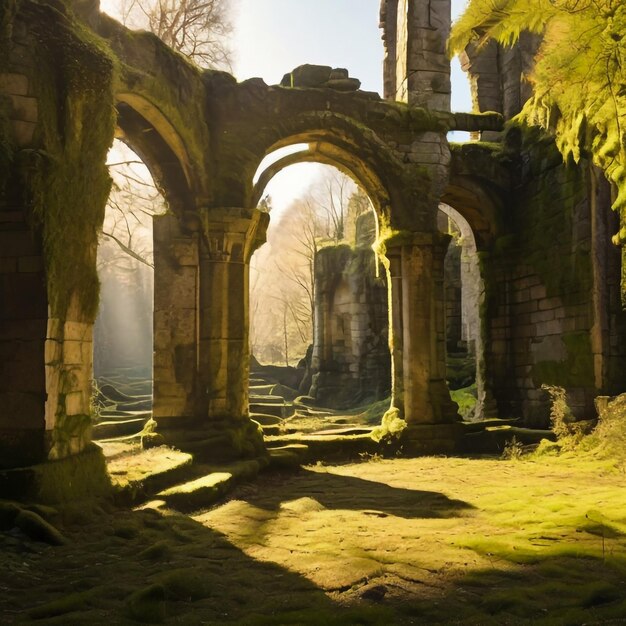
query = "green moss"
{"x": 391, "y": 427}
{"x": 62, "y": 606}
{"x": 187, "y": 585}
{"x": 465, "y": 399}
{"x": 576, "y": 370}
{"x": 147, "y": 605}
{"x": 67, "y": 178}
{"x": 71, "y": 432}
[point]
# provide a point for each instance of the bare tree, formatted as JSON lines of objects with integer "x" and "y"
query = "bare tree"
{"x": 199, "y": 29}
{"x": 282, "y": 294}
{"x": 133, "y": 201}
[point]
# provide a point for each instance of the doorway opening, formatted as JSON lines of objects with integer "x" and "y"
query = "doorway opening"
{"x": 318, "y": 304}
{"x": 464, "y": 290}
{"x": 123, "y": 342}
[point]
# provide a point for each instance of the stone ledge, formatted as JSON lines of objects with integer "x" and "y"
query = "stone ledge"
{"x": 76, "y": 477}
{"x": 425, "y": 439}
{"x": 473, "y": 122}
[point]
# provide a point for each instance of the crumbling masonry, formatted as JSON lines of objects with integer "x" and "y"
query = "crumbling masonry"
{"x": 71, "y": 79}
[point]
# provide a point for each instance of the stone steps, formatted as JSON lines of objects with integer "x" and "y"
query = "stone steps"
{"x": 258, "y": 399}
{"x": 118, "y": 428}
{"x": 170, "y": 478}
{"x": 289, "y": 456}
{"x": 137, "y": 476}
{"x": 279, "y": 410}
{"x": 213, "y": 484}
{"x": 494, "y": 439}
{"x": 329, "y": 447}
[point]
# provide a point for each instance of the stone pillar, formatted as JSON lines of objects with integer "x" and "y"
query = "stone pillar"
{"x": 496, "y": 75}
{"x": 396, "y": 345}
{"x": 422, "y": 64}
{"x": 175, "y": 366}
{"x": 389, "y": 25}
{"x": 201, "y": 359}
{"x": 229, "y": 236}
{"x": 23, "y": 324}
{"x": 418, "y": 343}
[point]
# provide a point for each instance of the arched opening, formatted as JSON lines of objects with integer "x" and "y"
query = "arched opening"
{"x": 318, "y": 301}
{"x": 123, "y": 332}
{"x": 464, "y": 292}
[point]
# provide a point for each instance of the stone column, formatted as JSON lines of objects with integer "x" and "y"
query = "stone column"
{"x": 175, "y": 366}
{"x": 422, "y": 64}
{"x": 394, "y": 286}
{"x": 201, "y": 359}
{"x": 418, "y": 346}
{"x": 229, "y": 236}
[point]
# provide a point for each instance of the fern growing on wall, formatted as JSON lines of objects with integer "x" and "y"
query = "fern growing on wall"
{"x": 579, "y": 77}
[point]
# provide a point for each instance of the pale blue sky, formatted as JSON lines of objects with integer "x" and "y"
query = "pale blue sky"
{"x": 274, "y": 36}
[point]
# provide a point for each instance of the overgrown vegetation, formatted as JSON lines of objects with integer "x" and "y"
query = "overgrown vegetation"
{"x": 579, "y": 79}
{"x": 604, "y": 440}
{"x": 68, "y": 177}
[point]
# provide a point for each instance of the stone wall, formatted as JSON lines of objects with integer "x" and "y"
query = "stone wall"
{"x": 416, "y": 66}
{"x": 351, "y": 363}
{"x": 547, "y": 296}
{"x": 23, "y": 298}
{"x": 48, "y": 233}
{"x": 497, "y": 74}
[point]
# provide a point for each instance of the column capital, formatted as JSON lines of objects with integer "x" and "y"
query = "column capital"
{"x": 392, "y": 241}
{"x": 231, "y": 233}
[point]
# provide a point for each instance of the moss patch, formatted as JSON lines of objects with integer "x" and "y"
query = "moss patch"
{"x": 576, "y": 370}
{"x": 67, "y": 177}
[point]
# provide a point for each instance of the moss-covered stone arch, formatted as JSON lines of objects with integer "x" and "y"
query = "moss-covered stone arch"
{"x": 349, "y": 144}
{"x": 169, "y": 93}
{"x": 328, "y": 154}
{"x": 171, "y": 174}
{"x": 477, "y": 187}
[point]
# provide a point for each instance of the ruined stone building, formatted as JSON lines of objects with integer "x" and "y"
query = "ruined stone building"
{"x": 72, "y": 79}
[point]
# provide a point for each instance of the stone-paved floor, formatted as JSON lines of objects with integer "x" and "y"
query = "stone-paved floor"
{"x": 405, "y": 541}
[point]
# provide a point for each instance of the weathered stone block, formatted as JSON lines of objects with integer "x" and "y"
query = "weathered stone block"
{"x": 23, "y": 132}
{"x": 25, "y": 108}
{"x": 77, "y": 331}
{"x": 15, "y": 84}
{"x": 72, "y": 352}
{"x": 75, "y": 405}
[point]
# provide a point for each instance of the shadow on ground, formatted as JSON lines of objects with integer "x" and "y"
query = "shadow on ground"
{"x": 123, "y": 567}
{"x": 335, "y": 492}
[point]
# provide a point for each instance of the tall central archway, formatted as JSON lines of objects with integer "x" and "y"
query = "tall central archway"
{"x": 348, "y": 363}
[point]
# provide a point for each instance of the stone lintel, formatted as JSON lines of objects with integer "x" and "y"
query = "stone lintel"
{"x": 474, "y": 122}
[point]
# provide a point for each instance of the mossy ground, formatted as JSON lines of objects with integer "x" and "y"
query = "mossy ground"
{"x": 398, "y": 541}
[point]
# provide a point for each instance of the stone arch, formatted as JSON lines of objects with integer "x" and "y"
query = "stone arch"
{"x": 328, "y": 154}
{"x": 476, "y": 188}
{"x": 334, "y": 139}
{"x": 472, "y": 305}
{"x": 339, "y": 299}
{"x": 146, "y": 131}
{"x": 477, "y": 206}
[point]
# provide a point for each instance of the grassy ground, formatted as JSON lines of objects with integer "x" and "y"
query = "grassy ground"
{"x": 398, "y": 541}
